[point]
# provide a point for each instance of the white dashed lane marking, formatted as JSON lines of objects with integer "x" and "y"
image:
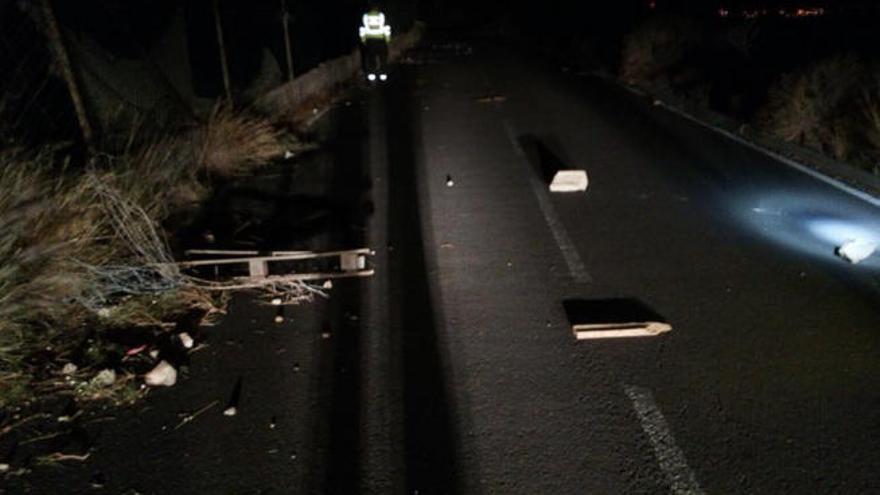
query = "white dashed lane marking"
{"x": 569, "y": 251}
{"x": 669, "y": 456}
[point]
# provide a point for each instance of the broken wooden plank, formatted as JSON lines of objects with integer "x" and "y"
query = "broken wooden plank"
{"x": 620, "y": 330}
{"x": 613, "y": 318}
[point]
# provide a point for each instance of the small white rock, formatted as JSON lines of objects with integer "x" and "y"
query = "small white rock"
{"x": 230, "y": 411}
{"x": 163, "y": 375}
{"x": 288, "y": 154}
{"x": 276, "y": 301}
{"x": 154, "y": 353}
{"x": 328, "y": 284}
{"x": 4, "y": 467}
{"x": 69, "y": 369}
{"x": 186, "y": 340}
{"x": 104, "y": 378}
{"x": 279, "y": 319}
{"x": 857, "y": 250}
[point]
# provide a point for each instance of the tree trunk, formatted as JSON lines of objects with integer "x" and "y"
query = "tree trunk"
{"x": 53, "y": 33}
{"x": 224, "y": 65}
{"x": 285, "y": 18}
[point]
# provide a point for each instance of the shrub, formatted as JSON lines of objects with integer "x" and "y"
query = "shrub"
{"x": 871, "y": 102}
{"x": 815, "y": 106}
{"x": 84, "y": 251}
{"x": 656, "y": 46}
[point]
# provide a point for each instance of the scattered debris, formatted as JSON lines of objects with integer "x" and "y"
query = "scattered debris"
{"x": 569, "y": 181}
{"x": 492, "y": 99}
{"x": 98, "y": 480}
{"x": 449, "y": 181}
{"x": 186, "y": 340}
{"x": 69, "y": 369}
{"x": 857, "y": 250}
{"x": 191, "y": 417}
{"x": 136, "y": 350}
{"x": 230, "y": 411}
{"x": 60, "y": 457}
{"x": 163, "y": 375}
{"x": 104, "y": 378}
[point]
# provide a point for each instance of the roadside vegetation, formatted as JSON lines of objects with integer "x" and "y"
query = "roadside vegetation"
{"x": 86, "y": 273}
{"x": 825, "y": 99}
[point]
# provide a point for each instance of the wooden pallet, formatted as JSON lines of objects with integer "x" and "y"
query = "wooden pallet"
{"x": 351, "y": 262}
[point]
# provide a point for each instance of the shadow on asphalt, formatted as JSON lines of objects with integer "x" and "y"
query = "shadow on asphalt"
{"x": 617, "y": 310}
{"x": 340, "y": 363}
{"x": 430, "y": 436}
{"x": 546, "y": 155}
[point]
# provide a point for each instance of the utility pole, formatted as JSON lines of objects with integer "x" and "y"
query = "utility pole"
{"x": 53, "y": 33}
{"x": 224, "y": 65}
{"x": 285, "y": 19}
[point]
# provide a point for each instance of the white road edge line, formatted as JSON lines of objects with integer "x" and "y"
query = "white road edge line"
{"x": 671, "y": 459}
{"x": 776, "y": 156}
{"x": 569, "y": 251}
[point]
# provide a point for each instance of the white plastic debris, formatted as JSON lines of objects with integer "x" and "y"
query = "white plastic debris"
{"x": 857, "y": 250}
{"x": 163, "y": 375}
{"x": 230, "y": 411}
{"x": 69, "y": 369}
{"x": 569, "y": 181}
{"x": 186, "y": 340}
{"x": 328, "y": 284}
{"x": 104, "y": 378}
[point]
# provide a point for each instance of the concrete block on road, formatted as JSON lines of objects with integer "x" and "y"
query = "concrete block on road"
{"x": 569, "y": 181}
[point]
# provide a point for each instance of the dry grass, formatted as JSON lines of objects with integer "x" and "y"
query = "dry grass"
{"x": 810, "y": 107}
{"x": 46, "y": 225}
{"x": 827, "y": 107}
{"x": 84, "y": 251}
{"x": 232, "y": 143}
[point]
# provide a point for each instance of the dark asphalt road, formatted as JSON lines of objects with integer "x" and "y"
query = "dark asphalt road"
{"x": 453, "y": 370}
